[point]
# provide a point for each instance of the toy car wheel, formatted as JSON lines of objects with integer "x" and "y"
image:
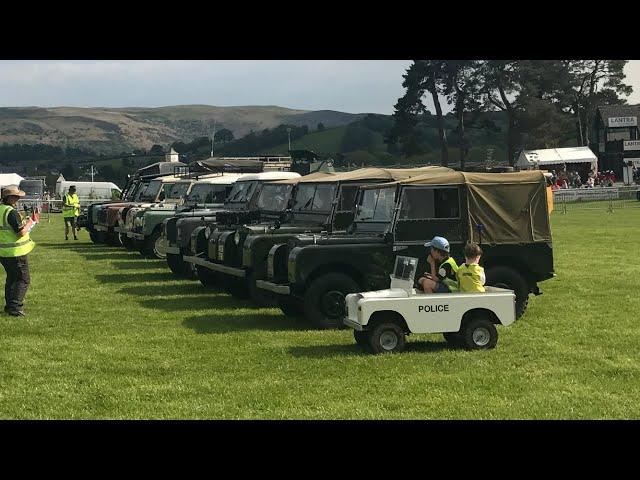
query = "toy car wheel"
{"x": 387, "y": 338}
{"x": 480, "y": 334}
{"x": 454, "y": 339}
{"x": 362, "y": 338}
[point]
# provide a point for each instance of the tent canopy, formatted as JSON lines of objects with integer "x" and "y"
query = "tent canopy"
{"x": 10, "y": 179}
{"x": 556, "y": 156}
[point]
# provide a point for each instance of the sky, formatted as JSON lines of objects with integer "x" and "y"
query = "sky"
{"x": 353, "y": 86}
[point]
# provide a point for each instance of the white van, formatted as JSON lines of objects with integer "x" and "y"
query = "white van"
{"x": 89, "y": 192}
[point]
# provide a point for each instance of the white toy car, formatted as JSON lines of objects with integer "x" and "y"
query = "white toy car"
{"x": 382, "y": 318}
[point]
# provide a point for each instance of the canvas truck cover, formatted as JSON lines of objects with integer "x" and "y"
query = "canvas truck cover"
{"x": 389, "y": 174}
{"x": 312, "y": 177}
{"x": 512, "y": 206}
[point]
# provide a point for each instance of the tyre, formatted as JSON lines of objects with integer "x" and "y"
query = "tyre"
{"x": 112, "y": 240}
{"x": 324, "y": 299}
{"x": 207, "y": 278}
{"x": 361, "y": 338}
{"x": 96, "y": 237}
{"x": 236, "y": 287}
{"x": 386, "y": 338}
{"x": 257, "y": 295}
{"x": 127, "y": 242}
{"x": 176, "y": 264}
{"x": 479, "y": 334}
{"x": 454, "y": 339}
{"x": 506, "y": 277}
{"x": 290, "y": 306}
{"x": 154, "y": 246}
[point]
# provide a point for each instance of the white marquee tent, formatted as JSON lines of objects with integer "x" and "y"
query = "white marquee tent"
{"x": 556, "y": 157}
{"x": 10, "y": 179}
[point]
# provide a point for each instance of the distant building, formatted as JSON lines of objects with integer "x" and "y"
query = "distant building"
{"x": 172, "y": 156}
{"x": 616, "y": 135}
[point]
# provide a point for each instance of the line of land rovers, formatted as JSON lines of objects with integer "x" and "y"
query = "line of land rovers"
{"x": 304, "y": 243}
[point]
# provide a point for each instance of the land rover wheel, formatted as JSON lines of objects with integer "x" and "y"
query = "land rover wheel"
{"x": 190, "y": 271}
{"x": 207, "y": 278}
{"x": 236, "y": 288}
{"x": 479, "y": 334}
{"x": 324, "y": 299}
{"x": 506, "y": 277}
{"x": 96, "y": 237}
{"x": 387, "y": 338}
{"x": 257, "y": 295}
{"x": 362, "y": 338}
{"x": 290, "y": 306}
{"x": 154, "y": 246}
{"x": 112, "y": 239}
{"x": 176, "y": 264}
{"x": 127, "y": 242}
{"x": 454, "y": 339}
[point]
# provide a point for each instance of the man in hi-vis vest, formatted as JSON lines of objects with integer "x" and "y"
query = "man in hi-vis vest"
{"x": 70, "y": 212}
{"x": 15, "y": 244}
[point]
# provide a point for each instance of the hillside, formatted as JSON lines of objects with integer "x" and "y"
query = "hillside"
{"x": 116, "y": 130}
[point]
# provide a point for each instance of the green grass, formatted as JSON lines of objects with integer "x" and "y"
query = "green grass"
{"x": 110, "y": 335}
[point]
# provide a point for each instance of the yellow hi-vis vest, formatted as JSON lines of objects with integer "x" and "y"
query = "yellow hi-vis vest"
{"x": 74, "y": 210}
{"x": 471, "y": 278}
{"x": 452, "y": 284}
{"x": 11, "y": 245}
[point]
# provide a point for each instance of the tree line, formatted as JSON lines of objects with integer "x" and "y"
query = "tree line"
{"x": 546, "y": 102}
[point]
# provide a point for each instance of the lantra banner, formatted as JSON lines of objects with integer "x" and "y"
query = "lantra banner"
{"x": 631, "y": 145}
{"x": 623, "y": 121}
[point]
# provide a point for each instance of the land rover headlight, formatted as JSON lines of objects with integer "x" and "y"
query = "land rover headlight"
{"x": 236, "y": 237}
{"x": 207, "y": 232}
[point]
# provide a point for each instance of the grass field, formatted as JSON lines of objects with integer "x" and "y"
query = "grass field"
{"x": 110, "y": 335}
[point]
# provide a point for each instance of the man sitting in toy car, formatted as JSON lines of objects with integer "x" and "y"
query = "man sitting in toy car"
{"x": 442, "y": 280}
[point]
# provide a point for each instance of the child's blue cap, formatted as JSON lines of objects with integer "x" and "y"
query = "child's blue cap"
{"x": 440, "y": 243}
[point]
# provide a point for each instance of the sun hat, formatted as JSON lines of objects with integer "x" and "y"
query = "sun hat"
{"x": 440, "y": 243}
{"x": 12, "y": 190}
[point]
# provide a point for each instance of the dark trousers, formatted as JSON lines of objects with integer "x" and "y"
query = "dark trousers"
{"x": 18, "y": 280}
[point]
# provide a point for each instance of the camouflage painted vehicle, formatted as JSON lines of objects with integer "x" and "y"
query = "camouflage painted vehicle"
{"x": 507, "y": 213}
{"x": 199, "y": 209}
{"x": 325, "y": 203}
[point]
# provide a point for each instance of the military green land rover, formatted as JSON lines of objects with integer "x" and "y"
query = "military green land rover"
{"x": 320, "y": 204}
{"x": 507, "y": 213}
{"x": 199, "y": 209}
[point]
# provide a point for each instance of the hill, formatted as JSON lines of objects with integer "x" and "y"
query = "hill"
{"x": 116, "y": 130}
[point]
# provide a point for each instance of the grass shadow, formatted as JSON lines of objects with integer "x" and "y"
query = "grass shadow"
{"x": 216, "y": 323}
{"x": 115, "y": 255}
{"x": 207, "y": 301}
{"x": 324, "y": 351}
{"x": 140, "y": 264}
{"x": 191, "y": 288}
{"x": 135, "y": 277}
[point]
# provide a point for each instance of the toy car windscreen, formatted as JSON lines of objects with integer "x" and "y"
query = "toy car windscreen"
{"x": 405, "y": 268}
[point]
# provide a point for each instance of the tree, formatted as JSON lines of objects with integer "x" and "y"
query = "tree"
{"x": 500, "y": 86}
{"x": 320, "y": 127}
{"x": 224, "y": 135}
{"x": 156, "y": 150}
{"x": 593, "y": 83}
{"x": 422, "y": 76}
{"x": 462, "y": 88}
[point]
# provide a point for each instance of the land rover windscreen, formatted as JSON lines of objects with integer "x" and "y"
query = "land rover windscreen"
{"x": 274, "y": 197}
{"x": 208, "y": 193}
{"x": 375, "y": 210}
{"x": 241, "y": 192}
{"x": 313, "y": 202}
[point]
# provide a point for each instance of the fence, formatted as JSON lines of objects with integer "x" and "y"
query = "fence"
{"x": 607, "y": 199}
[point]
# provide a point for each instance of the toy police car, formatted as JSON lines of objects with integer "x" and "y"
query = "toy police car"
{"x": 381, "y": 319}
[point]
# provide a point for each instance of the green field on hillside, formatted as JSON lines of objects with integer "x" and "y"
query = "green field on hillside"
{"x": 110, "y": 335}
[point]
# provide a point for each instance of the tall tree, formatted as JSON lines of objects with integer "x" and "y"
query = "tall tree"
{"x": 462, "y": 88}
{"x": 591, "y": 83}
{"x": 224, "y": 135}
{"x": 500, "y": 87}
{"x": 422, "y": 76}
